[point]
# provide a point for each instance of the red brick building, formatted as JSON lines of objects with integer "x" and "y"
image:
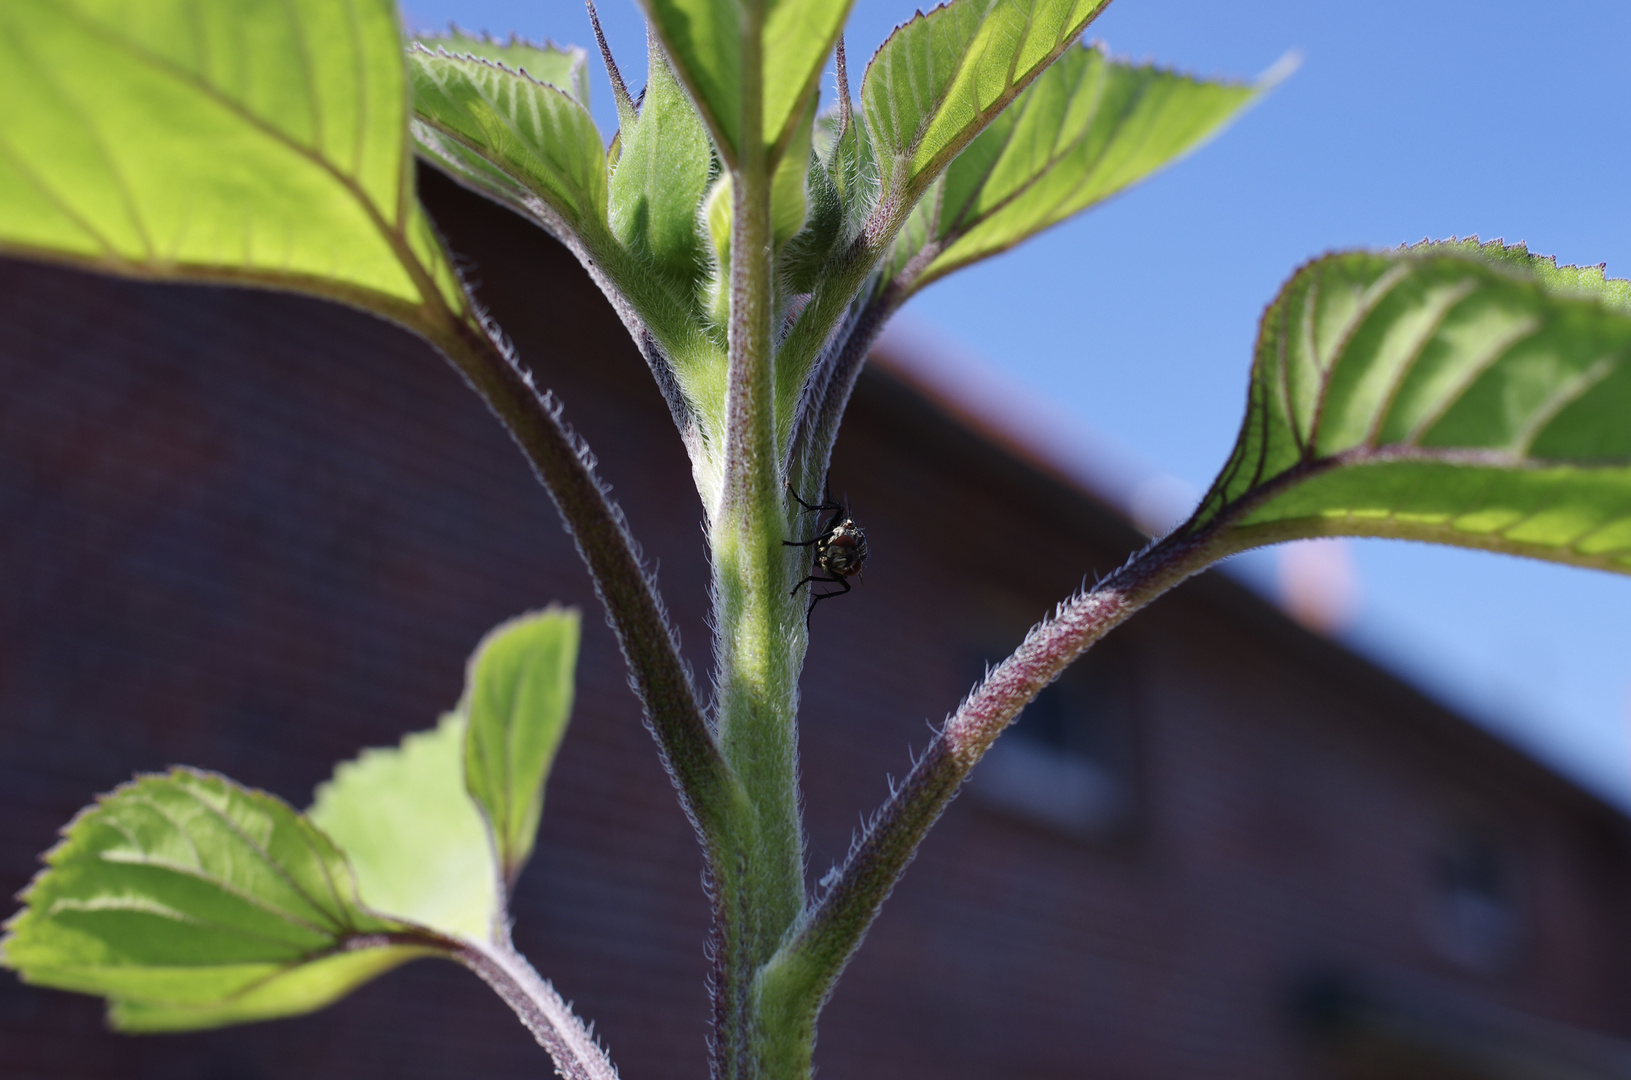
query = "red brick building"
{"x": 257, "y": 533}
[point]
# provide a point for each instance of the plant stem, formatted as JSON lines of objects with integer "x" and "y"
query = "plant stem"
{"x": 576, "y": 1054}
{"x": 563, "y": 463}
{"x": 759, "y": 627}
{"x": 795, "y": 984}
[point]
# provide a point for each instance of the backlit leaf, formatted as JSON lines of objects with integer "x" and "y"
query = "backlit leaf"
{"x": 707, "y": 40}
{"x": 1468, "y": 395}
{"x": 510, "y": 135}
{"x": 941, "y": 78}
{"x": 412, "y": 833}
{"x": 789, "y": 185}
{"x": 661, "y": 178}
{"x": 261, "y": 141}
{"x": 563, "y": 68}
{"x": 518, "y": 698}
{"x": 1089, "y": 127}
{"x": 194, "y": 902}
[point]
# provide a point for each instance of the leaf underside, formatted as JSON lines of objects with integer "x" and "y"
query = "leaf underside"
{"x": 192, "y": 902}
{"x": 262, "y": 142}
{"x": 662, "y": 175}
{"x": 565, "y": 68}
{"x": 412, "y": 834}
{"x": 518, "y": 698}
{"x": 1090, "y": 127}
{"x": 511, "y": 135}
{"x": 942, "y": 77}
{"x": 707, "y": 39}
{"x": 1468, "y": 394}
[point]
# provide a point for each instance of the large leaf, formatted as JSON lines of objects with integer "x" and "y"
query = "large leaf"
{"x": 262, "y": 141}
{"x": 1468, "y": 395}
{"x": 661, "y": 178}
{"x": 412, "y": 833}
{"x": 518, "y": 698}
{"x": 511, "y": 135}
{"x": 193, "y": 902}
{"x": 708, "y": 39}
{"x": 1089, "y": 127}
{"x": 941, "y": 78}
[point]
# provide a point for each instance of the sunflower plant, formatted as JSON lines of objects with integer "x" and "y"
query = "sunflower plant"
{"x": 754, "y": 241}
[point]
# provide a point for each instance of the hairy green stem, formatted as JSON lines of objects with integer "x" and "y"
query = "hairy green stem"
{"x": 759, "y": 626}
{"x": 795, "y": 984}
{"x": 704, "y": 781}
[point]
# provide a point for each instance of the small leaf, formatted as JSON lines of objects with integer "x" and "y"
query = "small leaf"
{"x": 511, "y": 135}
{"x": 518, "y": 698}
{"x": 707, "y": 40}
{"x": 1469, "y": 395}
{"x": 941, "y": 78}
{"x": 262, "y": 141}
{"x": 802, "y": 261}
{"x": 566, "y": 69}
{"x": 413, "y": 835}
{"x": 662, "y": 175}
{"x": 789, "y": 185}
{"x": 1088, "y": 128}
{"x": 193, "y": 902}
{"x": 847, "y": 153}
{"x": 798, "y": 37}
{"x": 716, "y": 213}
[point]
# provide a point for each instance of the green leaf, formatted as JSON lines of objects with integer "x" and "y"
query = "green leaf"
{"x": 707, "y": 40}
{"x": 1464, "y": 394}
{"x": 802, "y": 262}
{"x": 262, "y": 141}
{"x": 518, "y": 698}
{"x": 412, "y": 833}
{"x": 916, "y": 233}
{"x": 293, "y": 991}
{"x": 511, "y": 136}
{"x": 1088, "y": 128}
{"x": 566, "y": 69}
{"x": 716, "y": 214}
{"x": 662, "y": 175}
{"x": 789, "y": 185}
{"x": 846, "y": 152}
{"x": 941, "y": 78}
{"x": 194, "y": 902}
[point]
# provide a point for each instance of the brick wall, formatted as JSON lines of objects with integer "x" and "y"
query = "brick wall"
{"x": 256, "y": 533}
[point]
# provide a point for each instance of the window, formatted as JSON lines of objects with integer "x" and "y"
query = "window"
{"x": 1472, "y": 915}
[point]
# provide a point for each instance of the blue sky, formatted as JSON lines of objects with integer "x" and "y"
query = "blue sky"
{"x": 1407, "y": 119}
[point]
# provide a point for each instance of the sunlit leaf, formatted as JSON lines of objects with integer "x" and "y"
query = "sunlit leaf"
{"x": 510, "y": 135}
{"x": 941, "y": 78}
{"x": 261, "y": 141}
{"x": 1468, "y": 395}
{"x": 412, "y": 833}
{"x": 798, "y": 37}
{"x": 707, "y": 40}
{"x": 916, "y": 233}
{"x": 1089, "y": 127}
{"x": 518, "y": 698}
{"x": 563, "y": 68}
{"x": 661, "y": 178}
{"x": 194, "y": 902}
